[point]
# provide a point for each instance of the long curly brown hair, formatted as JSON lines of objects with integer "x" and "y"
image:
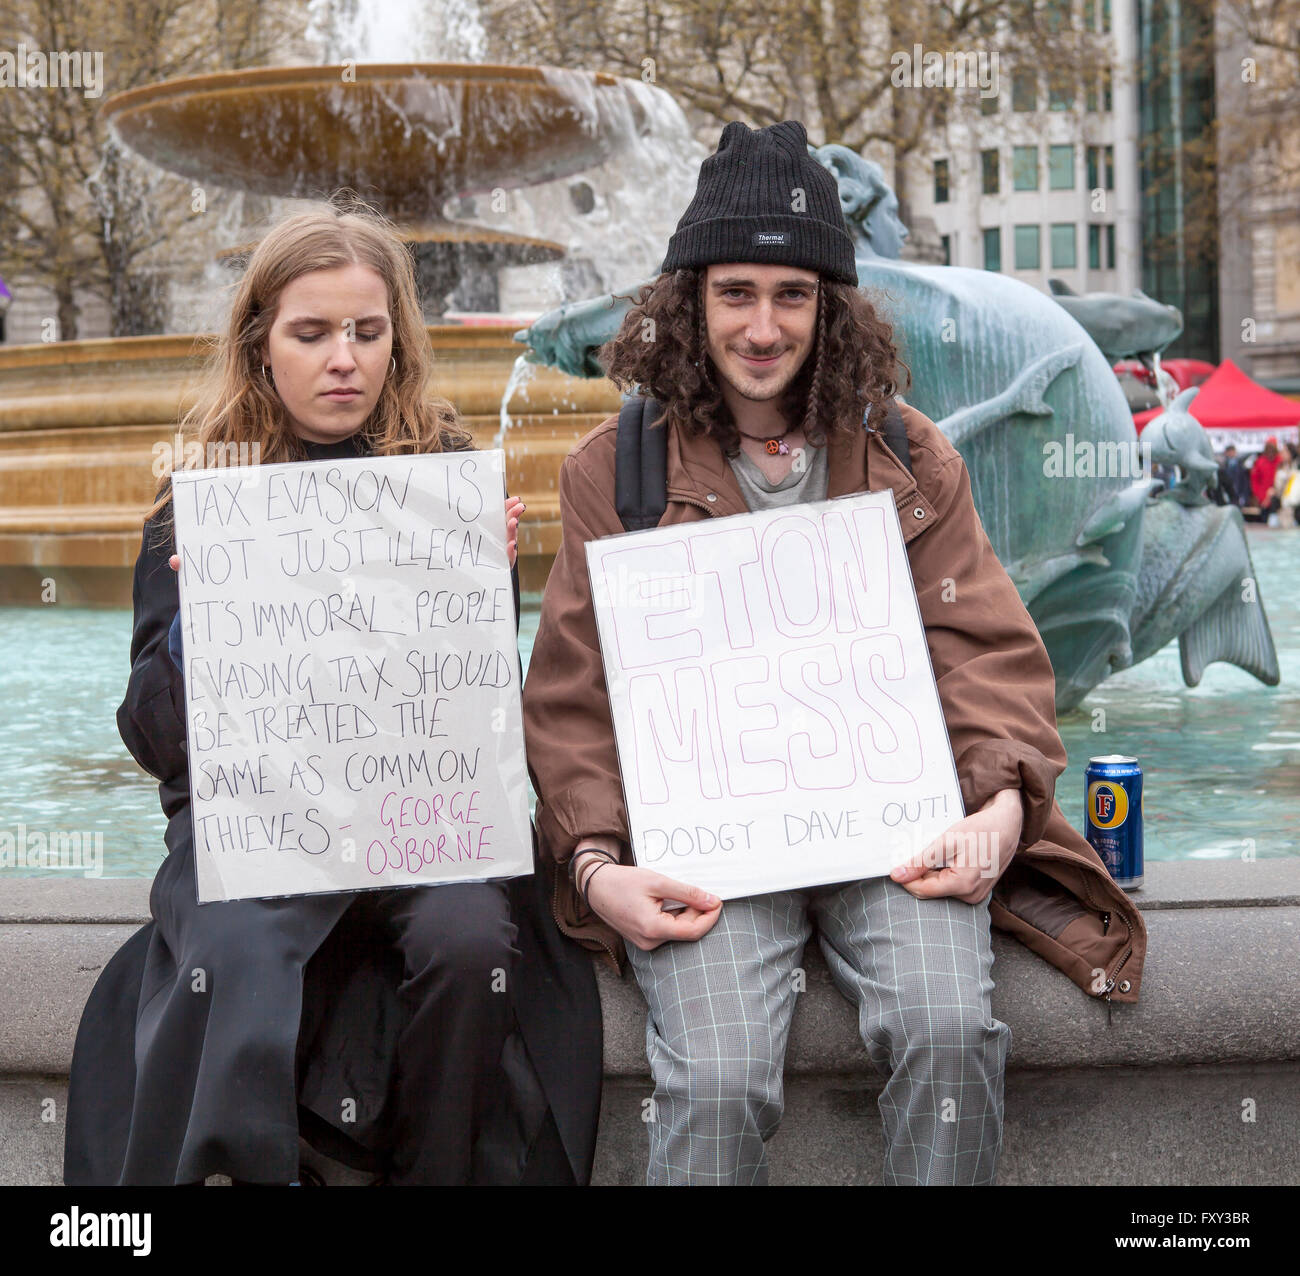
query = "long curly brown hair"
{"x": 238, "y": 405}
{"x": 853, "y": 368}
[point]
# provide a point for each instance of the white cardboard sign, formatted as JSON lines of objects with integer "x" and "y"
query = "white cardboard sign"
{"x": 351, "y": 675}
{"x": 776, "y": 714}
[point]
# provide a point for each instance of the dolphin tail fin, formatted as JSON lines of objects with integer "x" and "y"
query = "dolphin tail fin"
{"x": 1024, "y": 395}
{"x": 1232, "y": 630}
{"x": 1060, "y": 288}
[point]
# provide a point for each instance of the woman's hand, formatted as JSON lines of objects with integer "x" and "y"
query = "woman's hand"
{"x": 631, "y": 901}
{"x": 514, "y": 507}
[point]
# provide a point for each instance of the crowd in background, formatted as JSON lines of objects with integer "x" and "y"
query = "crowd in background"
{"x": 1266, "y": 486}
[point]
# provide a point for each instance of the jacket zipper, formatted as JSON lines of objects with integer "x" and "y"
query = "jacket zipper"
{"x": 564, "y": 930}
{"x": 1110, "y": 983}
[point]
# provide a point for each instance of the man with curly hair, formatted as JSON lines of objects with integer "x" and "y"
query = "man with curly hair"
{"x": 774, "y": 372}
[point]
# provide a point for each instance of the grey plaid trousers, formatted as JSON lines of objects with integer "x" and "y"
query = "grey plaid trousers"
{"x": 720, "y": 1009}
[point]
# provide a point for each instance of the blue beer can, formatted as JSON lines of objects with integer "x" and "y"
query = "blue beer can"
{"x": 1113, "y": 816}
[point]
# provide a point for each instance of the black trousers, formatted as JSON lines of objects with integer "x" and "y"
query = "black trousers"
{"x": 221, "y": 1006}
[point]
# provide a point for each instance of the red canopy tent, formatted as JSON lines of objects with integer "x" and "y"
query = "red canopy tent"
{"x": 1235, "y": 409}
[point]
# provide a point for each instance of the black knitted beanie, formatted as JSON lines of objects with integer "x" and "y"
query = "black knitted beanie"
{"x": 762, "y": 198}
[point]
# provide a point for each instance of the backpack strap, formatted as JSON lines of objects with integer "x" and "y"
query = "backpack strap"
{"x": 641, "y": 460}
{"x": 641, "y": 465}
{"x": 894, "y": 433}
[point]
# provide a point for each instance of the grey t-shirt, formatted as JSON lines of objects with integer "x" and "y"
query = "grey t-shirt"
{"x": 794, "y": 489}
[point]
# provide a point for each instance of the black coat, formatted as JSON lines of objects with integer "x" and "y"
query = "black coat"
{"x": 544, "y": 1128}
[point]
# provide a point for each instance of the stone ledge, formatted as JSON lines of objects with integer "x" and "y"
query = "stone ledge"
{"x": 1219, "y": 985}
{"x": 1092, "y": 1127}
{"x": 1208, "y": 996}
{"x": 1155, "y": 1096}
{"x": 57, "y": 900}
{"x": 1112, "y": 1126}
{"x": 1265, "y": 883}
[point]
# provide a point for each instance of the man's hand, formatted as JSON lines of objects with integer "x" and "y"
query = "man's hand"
{"x": 631, "y": 901}
{"x": 967, "y": 860}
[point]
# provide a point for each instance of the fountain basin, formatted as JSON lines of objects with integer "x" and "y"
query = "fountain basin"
{"x": 81, "y": 423}
{"x": 410, "y": 134}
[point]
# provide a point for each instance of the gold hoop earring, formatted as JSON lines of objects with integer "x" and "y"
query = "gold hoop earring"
{"x": 266, "y": 377}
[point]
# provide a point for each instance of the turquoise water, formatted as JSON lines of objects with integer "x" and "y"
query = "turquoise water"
{"x": 1221, "y": 760}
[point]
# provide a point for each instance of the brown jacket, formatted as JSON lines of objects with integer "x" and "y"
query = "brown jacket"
{"x": 995, "y": 683}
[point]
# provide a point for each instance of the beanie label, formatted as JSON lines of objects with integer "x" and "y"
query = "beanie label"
{"x": 765, "y": 237}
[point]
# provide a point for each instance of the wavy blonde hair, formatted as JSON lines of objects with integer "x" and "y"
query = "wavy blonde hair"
{"x": 237, "y": 405}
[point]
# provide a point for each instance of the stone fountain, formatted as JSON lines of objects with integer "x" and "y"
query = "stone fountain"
{"x": 407, "y": 136}
{"x": 84, "y": 425}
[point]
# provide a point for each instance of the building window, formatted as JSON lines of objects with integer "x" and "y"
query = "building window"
{"x": 1060, "y": 167}
{"x": 1101, "y": 167}
{"x": 993, "y": 248}
{"x": 1056, "y": 14}
{"x": 989, "y": 105}
{"x": 1024, "y": 91}
{"x": 1063, "y": 238}
{"x": 1105, "y": 15}
{"x": 1060, "y": 93}
{"x": 1089, "y": 15}
{"x": 945, "y": 242}
{"x": 1090, "y": 95}
{"x": 941, "y": 181}
{"x": 1024, "y": 168}
{"x": 1027, "y": 257}
{"x": 1101, "y": 246}
{"x": 1106, "y": 101}
{"x": 989, "y": 171}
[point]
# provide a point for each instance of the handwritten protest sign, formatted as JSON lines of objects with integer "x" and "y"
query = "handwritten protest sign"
{"x": 776, "y": 715}
{"x": 351, "y": 675}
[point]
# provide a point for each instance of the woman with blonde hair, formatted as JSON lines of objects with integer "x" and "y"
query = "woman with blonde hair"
{"x": 372, "y": 1022}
